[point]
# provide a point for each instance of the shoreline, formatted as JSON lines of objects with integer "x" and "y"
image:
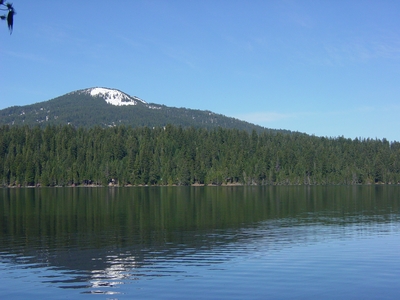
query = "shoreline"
{"x": 190, "y": 185}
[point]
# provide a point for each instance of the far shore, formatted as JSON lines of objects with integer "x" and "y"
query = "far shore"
{"x": 176, "y": 185}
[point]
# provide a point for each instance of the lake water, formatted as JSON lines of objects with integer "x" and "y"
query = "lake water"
{"x": 200, "y": 243}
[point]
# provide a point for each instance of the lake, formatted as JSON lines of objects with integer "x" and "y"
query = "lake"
{"x": 244, "y": 242}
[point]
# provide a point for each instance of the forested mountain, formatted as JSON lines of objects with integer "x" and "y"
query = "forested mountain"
{"x": 107, "y": 107}
{"x": 66, "y": 155}
{"x": 100, "y": 136}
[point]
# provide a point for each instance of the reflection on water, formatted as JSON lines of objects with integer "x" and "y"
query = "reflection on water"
{"x": 134, "y": 242}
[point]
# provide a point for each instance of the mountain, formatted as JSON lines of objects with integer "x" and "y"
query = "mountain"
{"x": 110, "y": 107}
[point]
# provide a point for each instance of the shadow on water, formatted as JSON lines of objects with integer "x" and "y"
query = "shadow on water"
{"x": 111, "y": 233}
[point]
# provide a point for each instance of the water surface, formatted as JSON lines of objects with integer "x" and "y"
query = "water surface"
{"x": 200, "y": 242}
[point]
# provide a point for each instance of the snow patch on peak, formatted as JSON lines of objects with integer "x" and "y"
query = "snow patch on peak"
{"x": 114, "y": 97}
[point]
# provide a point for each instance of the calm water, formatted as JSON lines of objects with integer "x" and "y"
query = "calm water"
{"x": 200, "y": 242}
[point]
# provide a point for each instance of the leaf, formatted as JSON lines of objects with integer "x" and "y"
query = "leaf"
{"x": 10, "y": 20}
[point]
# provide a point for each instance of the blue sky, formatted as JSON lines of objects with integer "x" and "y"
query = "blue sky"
{"x": 329, "y": 68}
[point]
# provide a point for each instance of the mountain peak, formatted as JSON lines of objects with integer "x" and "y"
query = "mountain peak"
{"x": 114, "y": 97}
{"x": 86, "y": 108}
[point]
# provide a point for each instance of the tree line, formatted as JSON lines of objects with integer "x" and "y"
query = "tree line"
{"x": 171, "y": 155}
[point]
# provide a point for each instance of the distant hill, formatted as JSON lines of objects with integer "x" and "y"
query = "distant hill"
{"x": 110, "y": 107}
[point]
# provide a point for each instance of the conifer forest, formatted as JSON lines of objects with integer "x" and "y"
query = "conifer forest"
{"x": 171, "y": 155}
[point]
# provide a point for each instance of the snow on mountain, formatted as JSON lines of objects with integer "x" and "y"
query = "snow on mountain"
{"x": 114, "y": 97}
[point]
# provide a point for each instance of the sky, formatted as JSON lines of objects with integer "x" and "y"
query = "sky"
{"x": 323, "y": 67}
